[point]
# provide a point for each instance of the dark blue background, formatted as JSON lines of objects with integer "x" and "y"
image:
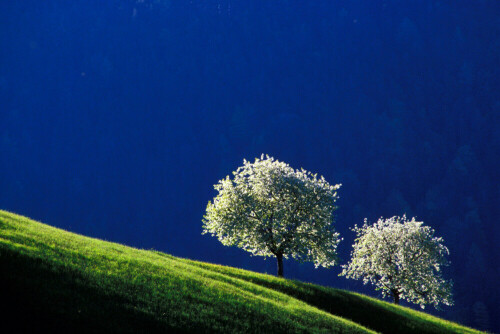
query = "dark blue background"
{"x": 117, "y": 117}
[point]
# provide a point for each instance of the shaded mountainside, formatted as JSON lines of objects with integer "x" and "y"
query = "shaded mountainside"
{"x": 60, "y": 281}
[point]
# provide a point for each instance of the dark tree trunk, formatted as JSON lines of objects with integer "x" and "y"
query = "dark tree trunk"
{"x": 279, "y": 257}
{"x": 395, "y": 295}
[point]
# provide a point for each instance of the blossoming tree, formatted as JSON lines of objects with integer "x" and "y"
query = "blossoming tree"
{"x": 270, "y": 209}
{"x": 403, "y": 259}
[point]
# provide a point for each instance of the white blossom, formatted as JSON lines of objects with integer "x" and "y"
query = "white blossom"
{"x": 270, "y": 209}
{"x": 403, "y": 259}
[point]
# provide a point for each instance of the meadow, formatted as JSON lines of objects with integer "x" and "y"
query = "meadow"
{"x": 56, "y": 280}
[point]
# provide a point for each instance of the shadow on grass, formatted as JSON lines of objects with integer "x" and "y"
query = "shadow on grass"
{"x": 40, "y": 299}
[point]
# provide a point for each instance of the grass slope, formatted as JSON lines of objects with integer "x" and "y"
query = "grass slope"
{"x": 56, "y": 280}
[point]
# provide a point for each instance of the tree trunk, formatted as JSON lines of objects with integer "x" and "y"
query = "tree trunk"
{"x": 395, "y": 295}
{"x": 279, "y": 257}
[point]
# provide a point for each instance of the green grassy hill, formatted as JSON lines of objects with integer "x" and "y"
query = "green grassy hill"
{"x": 63, "y": 282}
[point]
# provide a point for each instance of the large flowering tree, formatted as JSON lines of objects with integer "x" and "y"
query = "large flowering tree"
{"x": 402, "y": 258}
{"x": 271, "y": 209}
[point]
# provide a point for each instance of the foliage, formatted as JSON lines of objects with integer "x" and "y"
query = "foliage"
{"x": 403, "y": 259}
{"x": 270, "y": 209}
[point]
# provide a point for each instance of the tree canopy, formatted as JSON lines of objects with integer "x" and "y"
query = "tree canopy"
{"x": 271, "y": 209}
{"x": 403, "y": 259}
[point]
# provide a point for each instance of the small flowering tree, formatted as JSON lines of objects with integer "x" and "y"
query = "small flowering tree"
{"x": 270, "y": 209}
{"x": 403, "y": 259}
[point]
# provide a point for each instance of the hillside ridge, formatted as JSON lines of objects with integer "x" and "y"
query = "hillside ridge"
{"x": 61, "y": 281}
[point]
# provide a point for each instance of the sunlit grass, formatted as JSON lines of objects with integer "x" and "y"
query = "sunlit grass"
{"x": 367, "y": 311}
{"x": 63, "y": 281}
